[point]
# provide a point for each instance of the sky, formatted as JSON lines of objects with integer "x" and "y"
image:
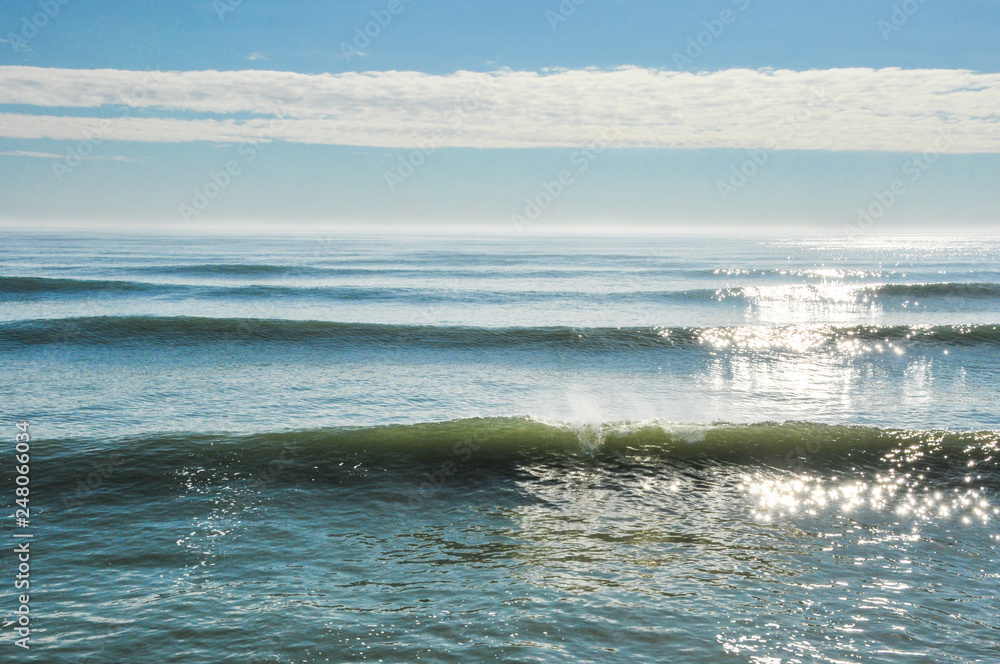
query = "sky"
{"x": 832, "y": 116}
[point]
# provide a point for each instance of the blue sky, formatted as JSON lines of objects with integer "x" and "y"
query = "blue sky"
{"x": 494, "y": 172}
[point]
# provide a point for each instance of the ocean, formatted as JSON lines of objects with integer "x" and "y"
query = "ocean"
{"x": 522, "y": 448}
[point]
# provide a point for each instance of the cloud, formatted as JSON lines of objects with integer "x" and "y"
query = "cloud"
{"x": 256, "y": 55}
{"x": 834, "y": 109}
{"x": 52, "y": 155}
{"x": 24, "y": 153}
{"x": 18, "y": 45}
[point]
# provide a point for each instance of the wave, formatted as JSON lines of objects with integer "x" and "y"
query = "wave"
{"x": 958, "y": 290}
{"x": 631, "y": 287}
{"x": 376, "y": 269}
{"x": 499, "y": 435}
{"x": 510, "y": 444}
{"x": 233, "y": 270}
{"x": 183, "y": 330}
{"x": 853, "y": 293}
{"x": 19, "y": 286}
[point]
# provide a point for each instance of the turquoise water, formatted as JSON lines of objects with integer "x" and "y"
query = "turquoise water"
{"x": 523, "y": 449}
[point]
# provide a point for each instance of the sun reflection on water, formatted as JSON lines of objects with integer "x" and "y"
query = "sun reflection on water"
{"x": 772, "y": 498}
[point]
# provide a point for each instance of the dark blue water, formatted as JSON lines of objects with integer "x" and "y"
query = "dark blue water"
{"x": 524, "y": 449}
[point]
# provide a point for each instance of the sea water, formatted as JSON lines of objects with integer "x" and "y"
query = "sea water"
{"x": 346, "y": 448}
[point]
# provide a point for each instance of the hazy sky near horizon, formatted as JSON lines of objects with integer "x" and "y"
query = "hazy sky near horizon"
{"x": 832, "y": 116}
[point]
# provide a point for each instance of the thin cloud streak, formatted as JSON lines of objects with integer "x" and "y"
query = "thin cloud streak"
{"x": 52, "y": 155}
{"x": 862, "y": 109}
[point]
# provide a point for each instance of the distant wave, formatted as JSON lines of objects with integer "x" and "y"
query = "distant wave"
{"x": 141, "y": 330}
{"x": 625, "y": 289}
{"x": 846, "y": 292}
{"x": 44, "y": 285}
{"x": 20, "y": 287}
{"x": 972, "y": 290}
{"x": 238, "y": 270}
{"x": 376, "y": 269}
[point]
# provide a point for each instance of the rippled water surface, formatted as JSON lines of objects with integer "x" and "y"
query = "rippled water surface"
{"x": 520, "y": 449}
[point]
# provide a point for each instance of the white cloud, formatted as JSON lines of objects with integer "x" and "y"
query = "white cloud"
{"x": 52, "y": 155}
{"x": 20, "y": 45}
{"x": 256, "y": 55}
{"x": 835, "y": 109}
{"x": 25, "y": 153}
